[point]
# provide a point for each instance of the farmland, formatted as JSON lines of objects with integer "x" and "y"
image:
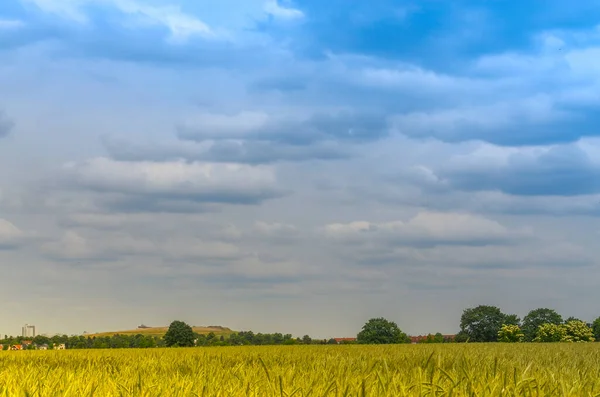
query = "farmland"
{"x": 560, "y": 369}
{"x": 161, "y": 331}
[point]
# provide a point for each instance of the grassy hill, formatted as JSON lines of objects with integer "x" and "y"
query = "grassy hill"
{"x": 161, "y": 331}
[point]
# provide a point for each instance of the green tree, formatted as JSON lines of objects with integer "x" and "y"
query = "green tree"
{"x": 550, "y": 333}
{"x": 461, "y": 337}
{"x": 578, "y": 331}
{"x": 179, "y": 334}
{"x": 482, "y": 323}
{"x": 510, "y": 334}
{"x": 381, "y": 331}
{"x": 568, "y": 320}
{"x": 537, "y": 317}
{"x": 306, "y": 340}
{"x": 596, "y": 329}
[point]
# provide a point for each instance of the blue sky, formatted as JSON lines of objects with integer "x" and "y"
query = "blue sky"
{"x": 296, "y": 166}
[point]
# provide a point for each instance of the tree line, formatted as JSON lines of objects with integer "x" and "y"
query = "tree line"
{"x": 478, "y": 324}
{"x": 489, "y": 324}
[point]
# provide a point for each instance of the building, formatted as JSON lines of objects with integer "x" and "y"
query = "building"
{"x": 28, "y": 331}
{"x": 341, "y": 341}
{"x": 425, "y": 338}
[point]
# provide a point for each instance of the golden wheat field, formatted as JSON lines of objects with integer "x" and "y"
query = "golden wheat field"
{"x": 401, "y": 370}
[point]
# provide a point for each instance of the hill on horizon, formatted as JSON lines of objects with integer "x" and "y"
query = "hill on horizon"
{"x": 161, "y": 331}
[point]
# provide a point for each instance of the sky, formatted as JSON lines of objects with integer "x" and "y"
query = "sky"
{"x": 296, "y": 166}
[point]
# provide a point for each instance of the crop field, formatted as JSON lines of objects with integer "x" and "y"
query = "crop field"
{"x": 400, "y": 370}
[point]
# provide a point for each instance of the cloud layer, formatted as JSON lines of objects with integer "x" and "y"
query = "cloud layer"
{"x": 275, "y": 157}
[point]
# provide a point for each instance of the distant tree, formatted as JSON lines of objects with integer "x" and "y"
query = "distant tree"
{"x": 461, "y": 337}
{"x": 306, "y": 340}
{"x": 596, "y": 329}
{"x": 578, "y": 331}
{"x": 482, "y": 323}
{"x": 381, "y": 331}
{"x": 537, "y": 317}
{"x": 179, "y": 334}
{"x": 512, "y": 319}
{"x": 438, "y": 338}
{"x": 332, "y": 341}
{"x": 510, "y": 334}
{"x": 568, "y": 320}
{"x": 550, "y": 333}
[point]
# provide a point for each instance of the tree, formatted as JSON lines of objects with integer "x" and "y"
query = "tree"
{"x": 179, "y": 335}
{"x": 381, "y": 331}
{"x": 550, "y": 333}
{"x": 537, "y": 317}
{"x": 512, "y": 319}
{"x": 596, "y": 329}
{"x": 461, "y": 337}
{"x": 510, "y": 334}
{"x": 482, "y": 323}
{"x": 578, "y": 331}
{"x": 306, "y": 340}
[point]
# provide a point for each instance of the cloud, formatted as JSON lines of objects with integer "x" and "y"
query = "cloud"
{"x": 281, "y": 233}
{"x": 273, "y": 8}
{"x": 10, "y": 24}
{"x": 259, "y": 138}
{"x": 227, "y": 151}
{"x": 563, "y": 170}
{"x": 426, "y": 229}
{"x": 10, "y": 235}
{"x": 6, "y": 125}
{"x": 348, "y": 126}
{"x": 180, "y": 25}
{"x": 437, "y": 34}
{"x": 535, "y": 120}
{"x": 160, "y": 186}
{"x": 74, "y": 246}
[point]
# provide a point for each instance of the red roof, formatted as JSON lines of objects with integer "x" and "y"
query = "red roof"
{"x": 344, "y": 339}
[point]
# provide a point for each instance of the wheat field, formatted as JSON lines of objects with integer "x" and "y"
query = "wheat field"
{"x": 401, "y": 370}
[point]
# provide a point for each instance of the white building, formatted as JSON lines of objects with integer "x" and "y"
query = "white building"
{"x": 28, "y": 331}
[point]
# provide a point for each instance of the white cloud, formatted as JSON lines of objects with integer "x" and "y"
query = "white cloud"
{"x": 225, "y": 126}
{"x": 10, "y": 235}
{"x": 480, "y": 120}
{"x": 75, "y": 246}
{"x": 272, "y": 7}
{"x": 180, "y": 24}
{"x": 199, "y": 182}
{"x": 426, "y": 228}
{"x": 111, "y": 246}
{"x": 275, "y": 228}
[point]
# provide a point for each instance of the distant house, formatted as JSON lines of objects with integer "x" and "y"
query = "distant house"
{"x": 340, "y": 341}
{"x": 16, "y": 347}
{"x": 60, "y": 346}
{"x": 42, "y": 347}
